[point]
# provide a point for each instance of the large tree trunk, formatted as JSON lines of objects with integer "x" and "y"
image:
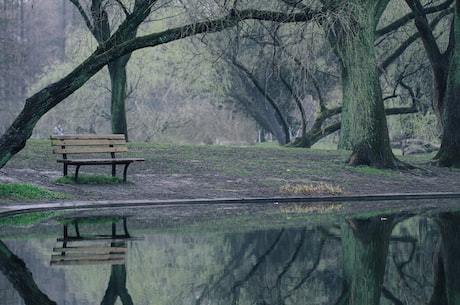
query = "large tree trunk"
{"x": 364, "y": 126}
{"x": 449, "y": 153}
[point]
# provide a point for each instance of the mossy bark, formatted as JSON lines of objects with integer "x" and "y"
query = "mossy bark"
{"x": 364, "y": 126}
{"x": 449, "y": 153}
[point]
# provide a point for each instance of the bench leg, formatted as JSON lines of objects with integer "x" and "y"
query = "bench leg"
{"x": 65, "y": 170}
{"x": 125, "y": 171}
{"x": 76, "y": 173}
{"x": 114, "y": 170}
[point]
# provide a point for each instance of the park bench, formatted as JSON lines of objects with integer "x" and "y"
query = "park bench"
{"x": 90, "y": 145}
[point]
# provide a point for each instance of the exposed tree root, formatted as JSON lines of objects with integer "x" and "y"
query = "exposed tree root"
{"x": 365, "y": 157}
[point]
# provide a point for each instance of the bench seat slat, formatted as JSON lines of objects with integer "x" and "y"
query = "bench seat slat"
{"x": 99, "y": 161}
{"x": 90, "y": 150}
{"x": 88, "y": 136}
{"x": 95, "y": 142}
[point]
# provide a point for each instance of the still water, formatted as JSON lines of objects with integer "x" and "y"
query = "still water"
{"x": 123, "y": 258}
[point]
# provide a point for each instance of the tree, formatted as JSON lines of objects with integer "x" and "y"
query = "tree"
{"x": 364, "y": 126}
{"x": 446, "y": 78}
{"x": 449, "y": 153}
{"x": 99, "y": 26}
{"x": 15, "y": 137}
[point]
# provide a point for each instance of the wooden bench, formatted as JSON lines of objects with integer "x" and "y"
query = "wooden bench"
{"x": 90, "y": 144}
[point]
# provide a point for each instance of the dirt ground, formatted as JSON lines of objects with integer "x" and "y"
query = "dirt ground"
{"x": 236, "y": 173}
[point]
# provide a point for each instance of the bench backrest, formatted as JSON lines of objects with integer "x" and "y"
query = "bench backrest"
{"x": 88, "y": 144}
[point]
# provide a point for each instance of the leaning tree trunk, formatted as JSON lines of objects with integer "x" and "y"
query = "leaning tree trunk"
{"x": 15, "y": 137}
{"x": 449, "y": 153}
{"x": 364, "y": 126}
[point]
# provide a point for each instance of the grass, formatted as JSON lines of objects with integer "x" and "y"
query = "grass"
{"x": 26, "y": 192}
{"x": 90, "y": 179}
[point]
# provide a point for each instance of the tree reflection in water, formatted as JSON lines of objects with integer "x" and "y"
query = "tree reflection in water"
{"x": 446, "y": 261}
{"x": 17, "y": 273}
{"x": 117, "y": 284}
{"x": 358, "y": 261}
{"x": 365, "y": 247}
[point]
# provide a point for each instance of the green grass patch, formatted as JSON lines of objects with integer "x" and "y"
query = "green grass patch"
{"x": 26, "y": 192}
{"x": 87, "y": 179}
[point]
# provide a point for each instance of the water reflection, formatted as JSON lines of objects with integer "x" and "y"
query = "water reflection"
{"x": 93, "y": 248}
{"x": 391, "y": 259}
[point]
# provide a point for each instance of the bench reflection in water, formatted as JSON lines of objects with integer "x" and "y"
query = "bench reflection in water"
{"x": 91, "y": 249}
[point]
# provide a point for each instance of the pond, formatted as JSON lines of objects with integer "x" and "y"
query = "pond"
{"x": 129, "y": 256}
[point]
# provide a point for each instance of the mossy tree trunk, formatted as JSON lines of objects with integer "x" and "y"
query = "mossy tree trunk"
{"x": 365, "y": 248}
{"x": 449, "y": 153}
{"x": 446, "y": 80}
{"x": 364, "y": 125}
